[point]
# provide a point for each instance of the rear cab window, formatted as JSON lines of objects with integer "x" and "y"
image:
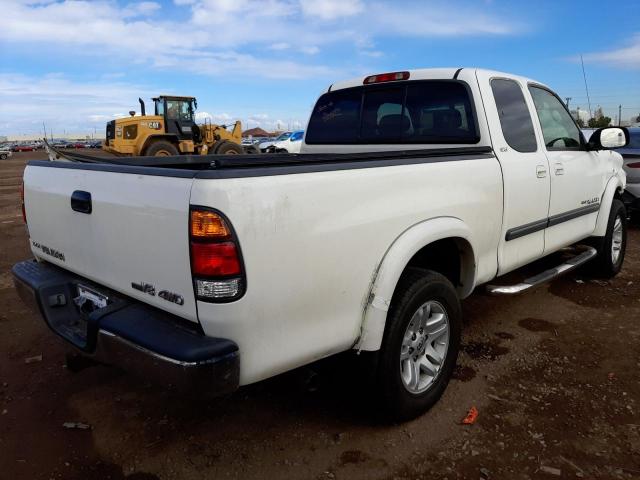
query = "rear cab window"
{"x": 414, "y": 112}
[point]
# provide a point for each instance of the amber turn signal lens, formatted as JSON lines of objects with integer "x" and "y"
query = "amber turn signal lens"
{"x": 206, "y": 224}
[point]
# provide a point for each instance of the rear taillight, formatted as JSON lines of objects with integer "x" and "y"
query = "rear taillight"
{"x": 24, "y": 212}
{"x": 633, "y": 165}
{"x": 216, "y": 263}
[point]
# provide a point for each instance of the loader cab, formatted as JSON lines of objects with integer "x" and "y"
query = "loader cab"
{"x": 179, "y": 116}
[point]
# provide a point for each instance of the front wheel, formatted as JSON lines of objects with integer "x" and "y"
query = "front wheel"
{"x": 420, "y": 344}
{"x": 3, "y": 156}
{"x": 162, "y": 148}
{"x": 611, "y": 248}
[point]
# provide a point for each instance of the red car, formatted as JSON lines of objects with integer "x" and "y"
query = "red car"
{"x": 22, "y": 148}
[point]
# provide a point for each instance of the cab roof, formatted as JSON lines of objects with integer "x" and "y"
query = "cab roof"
{"x": 173, "y": 97}
{"x": 429, "y": 74}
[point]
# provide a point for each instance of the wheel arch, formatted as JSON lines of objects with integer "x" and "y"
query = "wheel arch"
{"x": 443, "y": 244}
{"x": 614, "y": 189}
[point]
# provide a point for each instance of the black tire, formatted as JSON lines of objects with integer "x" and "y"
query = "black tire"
{"x": 161, "y": 148}
{"x": 251, "y": 150}
{"x": 416, "y": 287}
{"x": 604, "y": 265}
{"x": 3, "y": 156}
{"x": 229, "y": 148}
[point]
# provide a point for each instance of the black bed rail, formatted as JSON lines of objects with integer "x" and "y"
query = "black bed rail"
{"x": 206, "y": 162}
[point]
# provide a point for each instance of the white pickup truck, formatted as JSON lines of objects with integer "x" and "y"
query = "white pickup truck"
{"x": 414, "y": 188}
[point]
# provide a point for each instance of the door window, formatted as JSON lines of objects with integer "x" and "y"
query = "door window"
{"x": 559, "y": 130}
{"x": 178, "y": 110}
{"x": 515, "y": 119}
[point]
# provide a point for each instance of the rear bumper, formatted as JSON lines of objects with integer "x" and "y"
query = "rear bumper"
{"x": 128, "y": 334}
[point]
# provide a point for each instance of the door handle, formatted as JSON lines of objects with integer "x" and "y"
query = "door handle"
{"x": 541, "y": 171}
{"x": 81, "y": 201}
{"x": 559, "y": 169}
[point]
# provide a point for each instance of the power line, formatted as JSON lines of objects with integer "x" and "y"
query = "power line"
{"x": 584, "y": 75}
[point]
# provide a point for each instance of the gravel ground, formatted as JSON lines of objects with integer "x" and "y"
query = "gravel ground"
{"x": 553, "y": 375}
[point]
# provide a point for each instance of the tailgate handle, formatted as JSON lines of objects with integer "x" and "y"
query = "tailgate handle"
{"x": 81, "y": 201}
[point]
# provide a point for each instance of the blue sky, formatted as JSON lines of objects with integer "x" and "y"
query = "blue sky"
{"x": 77, "y": 64}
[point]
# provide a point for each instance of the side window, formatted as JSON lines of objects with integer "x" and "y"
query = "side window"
{"x": 297, "y": 136}
{"x": 515, "y": 119}
{"x": 558, "y": 128}
{"x": 336, "y": 118}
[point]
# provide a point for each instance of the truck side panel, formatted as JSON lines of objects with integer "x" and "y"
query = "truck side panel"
{"x": 312, "y": 242}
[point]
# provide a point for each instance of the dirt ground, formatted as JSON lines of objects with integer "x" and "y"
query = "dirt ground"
{"x": 553, "y": 374}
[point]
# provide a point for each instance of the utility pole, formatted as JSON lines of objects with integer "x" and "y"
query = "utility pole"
{"x": 567, "y": 100}
{"x": 619, "y": 114}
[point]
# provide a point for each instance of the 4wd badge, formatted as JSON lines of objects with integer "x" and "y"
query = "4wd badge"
{"x": 155, "y": 125}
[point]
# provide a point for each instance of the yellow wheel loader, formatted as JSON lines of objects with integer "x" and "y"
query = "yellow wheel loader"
{"x": 172, "y": 130}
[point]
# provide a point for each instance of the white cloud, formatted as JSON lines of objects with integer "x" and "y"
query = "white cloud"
{"x": 625, "y": 57}
{"x": 279, "y": 46}
{"x": 62, "y": 103}
{"x": 223, "y": 35}
{"x": 140, "y": 9}
{"x": 310, "y": 50}
{"x": 331, "y": 9}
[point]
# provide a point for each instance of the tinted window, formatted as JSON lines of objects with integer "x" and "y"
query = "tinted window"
{"x": 408, "y": 112}
{"x": 297, "y": 136}
{"x": 382, "y": 115}
{"x": 515, "y": 119}
{"x": 440, "y": 112}
{"x": 336, "y": 118}
{"x": 558, "y": 128}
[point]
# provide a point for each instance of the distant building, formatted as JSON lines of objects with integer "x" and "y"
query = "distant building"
{"x": 580, "y": 114}
{"x": 3, "y": 138}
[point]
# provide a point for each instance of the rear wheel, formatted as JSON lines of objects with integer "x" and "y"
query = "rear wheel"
{"x": 229, "y": 148}
{"x": 611, "y": 249}
{"x": 162, "y": 148}
{"x": 420, "y": 345}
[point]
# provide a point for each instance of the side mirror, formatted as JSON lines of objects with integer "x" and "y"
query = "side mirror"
{"x": 608, "y": 138}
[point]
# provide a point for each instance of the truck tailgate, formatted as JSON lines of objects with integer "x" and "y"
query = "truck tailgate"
{"x": 134, "y": 240}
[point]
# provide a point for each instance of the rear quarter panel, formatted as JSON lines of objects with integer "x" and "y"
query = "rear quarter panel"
{"x": 312, "y": 242}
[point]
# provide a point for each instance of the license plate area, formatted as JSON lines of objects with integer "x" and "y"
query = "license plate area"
{"x": 89, "y": 300}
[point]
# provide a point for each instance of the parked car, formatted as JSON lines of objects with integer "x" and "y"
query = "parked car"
{"x": 291, "y": 144}
{"x": 631, "y": 156}
{"x": 267, "y": 146}
{"x": 22, "y": 148}
{"x": 5, "y": 153}
{"x": 416, "y": 188}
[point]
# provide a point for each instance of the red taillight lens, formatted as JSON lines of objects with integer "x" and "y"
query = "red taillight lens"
{"x": 24, "y": 212}
{"x": 386, "y": 77}
{"x": 633, "y": 165}
{"x": 214, "y": 259}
